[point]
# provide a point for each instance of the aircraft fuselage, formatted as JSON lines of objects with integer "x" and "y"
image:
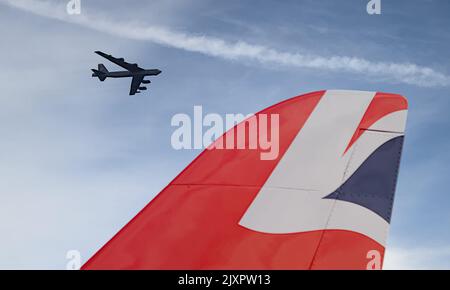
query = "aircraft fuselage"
{"x": 124, "y": 74}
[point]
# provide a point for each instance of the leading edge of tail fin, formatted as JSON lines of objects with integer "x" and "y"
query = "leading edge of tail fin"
{"x": 324, "y": 203}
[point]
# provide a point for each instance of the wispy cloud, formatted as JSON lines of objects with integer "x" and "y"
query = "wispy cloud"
{"x": 417, "y": 258}
{"x": 408, "y": 73}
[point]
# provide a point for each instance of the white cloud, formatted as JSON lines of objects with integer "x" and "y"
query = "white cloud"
{"x": 408, "y": 73}
{"x": 417, "y": 258}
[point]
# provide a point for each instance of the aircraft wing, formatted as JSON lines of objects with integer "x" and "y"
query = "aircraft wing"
{"x": 135, "y": 84}
{"x": 320, "y": 197}
{"x": 120, "y": 62}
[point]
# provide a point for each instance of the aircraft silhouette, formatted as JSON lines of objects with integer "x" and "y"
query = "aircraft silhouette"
{"x": 132, "y": 70}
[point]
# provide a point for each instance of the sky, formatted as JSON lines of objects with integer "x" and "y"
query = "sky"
{"x": 80, "y": 158}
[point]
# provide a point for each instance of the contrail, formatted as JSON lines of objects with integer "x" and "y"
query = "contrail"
{"x": 408, "y": 73}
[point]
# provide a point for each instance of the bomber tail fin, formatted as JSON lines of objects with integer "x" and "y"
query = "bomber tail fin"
{"x": 100, "y": 72}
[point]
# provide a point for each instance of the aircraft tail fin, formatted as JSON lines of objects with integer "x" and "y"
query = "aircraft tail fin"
{"x": 102, "y": 68}
{"x": 100, "y": 72}
{"x": 323, "y": 202}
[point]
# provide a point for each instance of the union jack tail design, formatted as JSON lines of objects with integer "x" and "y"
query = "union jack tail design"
{"x": 324, "y": 203}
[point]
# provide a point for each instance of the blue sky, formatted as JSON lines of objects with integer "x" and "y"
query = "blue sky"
{"x": 80, "y": 158}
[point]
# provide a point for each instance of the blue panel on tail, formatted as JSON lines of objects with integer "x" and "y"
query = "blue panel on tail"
{"x": 373, "y": 183}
